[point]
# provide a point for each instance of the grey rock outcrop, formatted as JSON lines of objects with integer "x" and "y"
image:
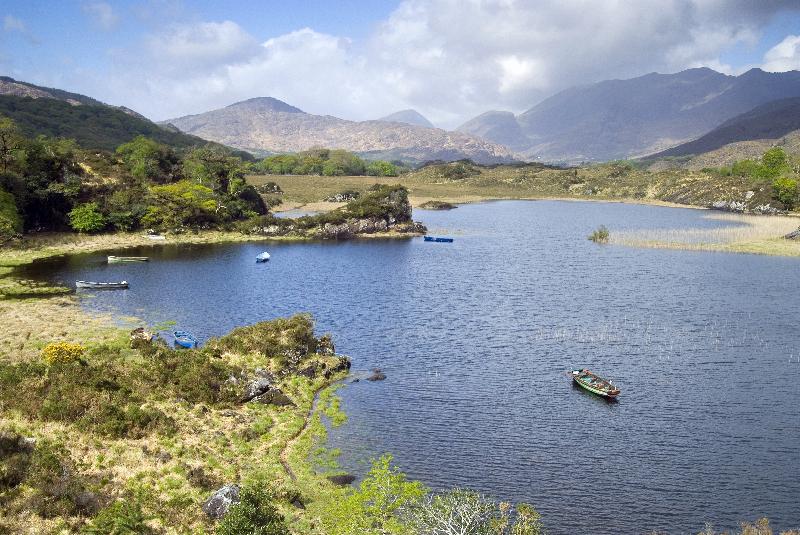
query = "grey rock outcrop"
{"x": 218, "y": 503}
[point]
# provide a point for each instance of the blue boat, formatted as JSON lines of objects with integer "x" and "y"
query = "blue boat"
{"x": 184, "y": 339}
{"x": 439, "y": 240}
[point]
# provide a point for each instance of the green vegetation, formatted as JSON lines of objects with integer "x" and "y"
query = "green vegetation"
{"x": 52, "y": 184}
{"x": 786, "y": 191}
{"x": 437, "y": 205}
{"x": 325, "y": 162}
{"x": 255, "y": 514}
{"x": 601, "y": 235}
{"x": 87, "y": 217}
{"x": 122, "y": 517}
{"x": 93, "y": 126}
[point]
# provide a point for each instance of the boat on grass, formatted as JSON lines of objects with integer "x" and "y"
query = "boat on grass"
{"x": 184, "y": 339}
{"x": 263, "y": 257}
{"x": 119, "y": 259}
{"x": 595, "y": 384}
{"x": 439, "y": 240}
{"x": 122, "y": 285}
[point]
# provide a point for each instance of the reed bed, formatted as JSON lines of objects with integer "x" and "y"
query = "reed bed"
{"x": 743, "y": 233}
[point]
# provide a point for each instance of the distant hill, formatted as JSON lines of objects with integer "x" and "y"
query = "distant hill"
{"x": 56, "y": 113}
{"x": 498, "y": 126}
{"x": 408, "y": 117}
{"x": 267, "y": 125}
{"x": 769, "y": 121}
{"x": 618, "y": 119}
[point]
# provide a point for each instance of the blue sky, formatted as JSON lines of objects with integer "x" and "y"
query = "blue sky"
{"x": 450, "y": 59}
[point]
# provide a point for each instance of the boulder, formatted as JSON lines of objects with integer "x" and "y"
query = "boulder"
{"x": 141, "y": 338}
{"x": 377, "y": 375}
{"x": 342, "y": 365}
{"x": 255, "y": 388}
{"x": 218, "y": 503}
{"x": 342, "y": 480}
{"x": 275, "y": 397}
{"x": 794, "y": 235}
{"x": 310, "y": 371}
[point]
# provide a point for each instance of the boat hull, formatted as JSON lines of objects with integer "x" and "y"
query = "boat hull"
{"x": 120, "y": 259}
{"x": 438, "y": 240}
{"x": 102, "y": 285}
{"x": 184, "y": 340}
{"x": 599, "y": 387}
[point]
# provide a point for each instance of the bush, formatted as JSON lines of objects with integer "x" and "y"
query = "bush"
{"x": 57, "y": 490}
{"x": 600, "y": 235}
{"x": 382, "y": 168}
{"x": 253, "y": 515}
{"x": 87, "y": 218}
{"x": 785, "y": 190}
{"x": 62, "y": 353}
{"x": 123, "y": 517}
{"x": 182, "y": 204}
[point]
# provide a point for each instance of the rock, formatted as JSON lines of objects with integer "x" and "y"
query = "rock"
{"x": 765, "y": 209}
{"x": 794, "y": 235}
{"x": 141, "y": 338}
{"x": 298, "y": 503}
{"x": 341, "y": 480}
{"x": 377, "y": 375}
{"x": 255, "y": 388}
{"x": 310, "y": 371}
{"x": 325, "y": 345}
{"x": 163, "y": 456}
{"x": 218, "y": 503}
{"x": 345, "y": 196}
{"x": 342, "y": 365}
{"x": 275, "y": 397}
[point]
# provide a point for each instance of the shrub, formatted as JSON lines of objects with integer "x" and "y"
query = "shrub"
{"x": 123, "y": 517}
{"x": 180, "y": 204}
{"x": 62, "y": 353}
{"x": 785, "y": 190}
{"x": 87, "y": 218}
{"x": 254, "y": 515}
{"x": 382, "y": 168}
{"x": 57, "y": 490}
{"x": 600, "y": 235}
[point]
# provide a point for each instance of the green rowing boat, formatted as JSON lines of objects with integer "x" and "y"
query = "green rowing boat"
{"x": 595, "y": 384}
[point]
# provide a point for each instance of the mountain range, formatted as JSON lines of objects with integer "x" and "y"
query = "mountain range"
{"x": 268, "y": 125}
{"x": 617, "y": 119}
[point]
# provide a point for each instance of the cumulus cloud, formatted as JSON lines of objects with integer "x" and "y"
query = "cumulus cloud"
{"x": 101, "y": 14}
{"x": 450, "y": 59}
{"x": 785, "y": 56}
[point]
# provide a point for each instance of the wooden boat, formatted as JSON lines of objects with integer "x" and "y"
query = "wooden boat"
{"x": 595, "y": 384}
{"x": 156, "y": 237}
{"x": 184, "y": 339}
{"x": 118, "y": 259}
{"x": 263, "y": 257}
{"x": 102, "y": 285}
{"x": 439, "y": 240}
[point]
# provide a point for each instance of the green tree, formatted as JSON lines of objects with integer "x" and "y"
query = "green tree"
{"x": 87, "y": 218}
{"x": 181, "y": 204}
{"x": 10, "y": 142}
{"x": 381, "y": 168}
{"x": 774, "y": 159}
{"x": 281, "y": 164}
{"x": 373, "y": 508}
{"x": 785, "y": 190}
{"x": 213, "y": 167}
{"x": 148, "y": 160}
{"x": 341, "y": 163}
{"x": 253, "y": 515}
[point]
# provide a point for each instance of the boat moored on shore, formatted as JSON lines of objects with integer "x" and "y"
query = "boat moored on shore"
{"x": 184, "y": 339}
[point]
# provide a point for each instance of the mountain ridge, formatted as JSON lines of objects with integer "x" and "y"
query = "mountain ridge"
{"x": 625, "y": 118}
{"x": 255, "y": 125}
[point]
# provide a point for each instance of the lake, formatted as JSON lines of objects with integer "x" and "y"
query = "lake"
{"x": 476, "y": 336}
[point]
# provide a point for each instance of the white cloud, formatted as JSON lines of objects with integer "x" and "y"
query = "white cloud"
{"x": 13, "y": 24}
{"x": 785, "y": 56}
{"x": 102, "y": 14}
{"x": 450, "y": 59}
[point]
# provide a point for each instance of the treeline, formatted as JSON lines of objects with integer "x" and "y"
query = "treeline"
{"x": 52, "y": 184}
{"x": 775, "y": 168}
{"x": 325, "y": 162}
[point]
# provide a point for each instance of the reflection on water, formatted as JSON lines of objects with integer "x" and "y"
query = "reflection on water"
{"x": 475, "y": 337}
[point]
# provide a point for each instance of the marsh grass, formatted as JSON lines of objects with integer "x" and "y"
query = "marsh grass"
{"x": 744, "y": 233}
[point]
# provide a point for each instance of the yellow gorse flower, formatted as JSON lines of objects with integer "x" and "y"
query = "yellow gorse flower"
{"x": 62, "y": 353}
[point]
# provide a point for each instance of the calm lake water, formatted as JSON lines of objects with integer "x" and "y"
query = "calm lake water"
{"x": 476, "y": 337}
